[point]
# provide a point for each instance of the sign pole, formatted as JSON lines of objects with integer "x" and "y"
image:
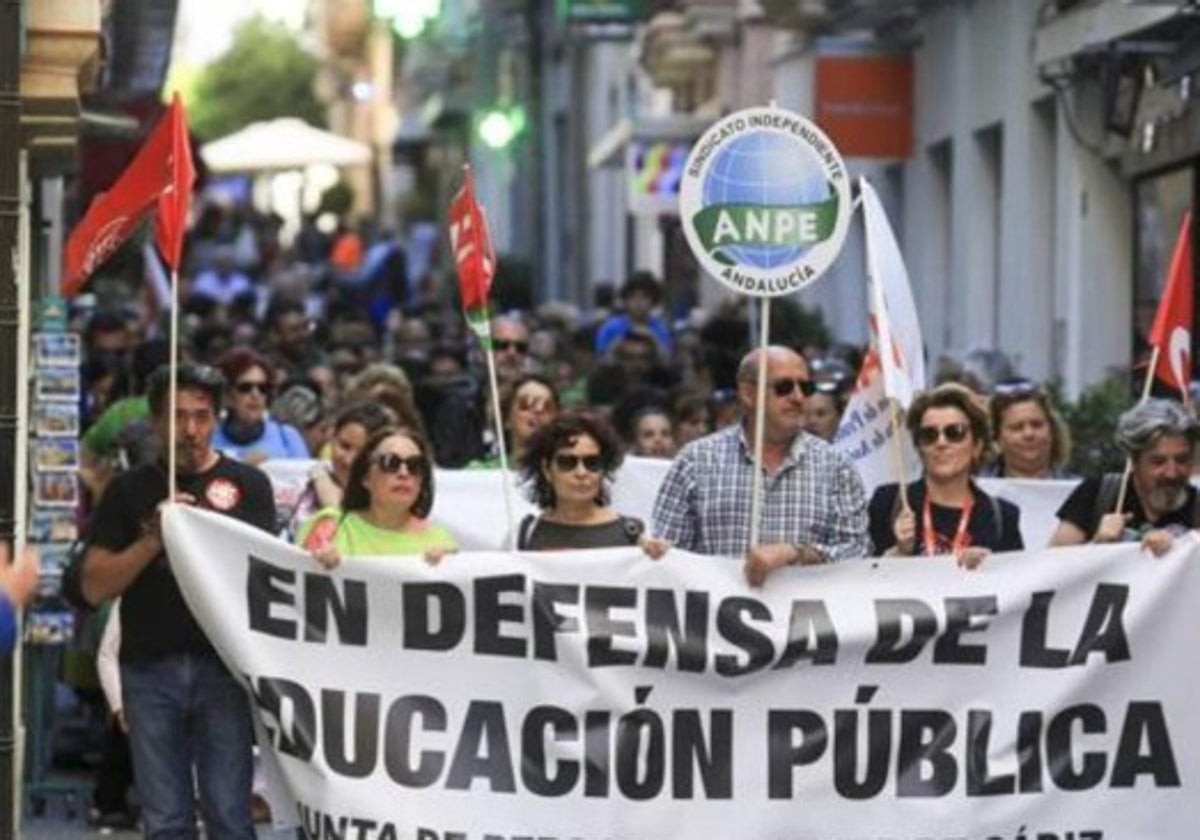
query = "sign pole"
{"x": 1146, "y": 386}
{"x": 760, "y": 403}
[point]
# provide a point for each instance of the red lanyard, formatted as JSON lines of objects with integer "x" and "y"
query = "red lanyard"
{"x": 961, "y": 538}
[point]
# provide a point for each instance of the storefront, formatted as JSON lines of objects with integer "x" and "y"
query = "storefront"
{"x": 1163, "y": 163}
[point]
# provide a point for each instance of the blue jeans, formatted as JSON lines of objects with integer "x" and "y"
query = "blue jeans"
{"x": 185, "y": 710}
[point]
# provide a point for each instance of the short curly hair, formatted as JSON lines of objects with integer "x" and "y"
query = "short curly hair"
{"x": 357, "y": 496}
{"x": 951, "y": 395}
{"x": 561, "y": 433}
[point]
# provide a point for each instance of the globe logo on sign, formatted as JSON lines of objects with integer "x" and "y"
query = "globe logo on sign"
{"x": 765, "y": 201}
{"x": 765, "y": 170}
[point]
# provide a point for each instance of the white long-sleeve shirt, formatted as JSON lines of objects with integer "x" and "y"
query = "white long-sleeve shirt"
{"x": 108, "y": 664}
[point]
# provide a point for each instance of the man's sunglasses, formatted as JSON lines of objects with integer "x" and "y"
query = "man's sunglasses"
{"x": 391, "y": 463}
{"x": 785, "y": 387}
{"x": 567, "y": 463}
{"x": 952, "y": 432}
{"x": 500, "y": 345}
{"x": 247, "y": 387}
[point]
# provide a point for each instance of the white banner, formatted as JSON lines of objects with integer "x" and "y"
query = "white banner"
{"x": 1048, "y": 695}
{"x": 471, "y": 504}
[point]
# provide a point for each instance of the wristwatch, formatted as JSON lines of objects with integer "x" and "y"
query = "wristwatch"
{"x": 806, "y": 555}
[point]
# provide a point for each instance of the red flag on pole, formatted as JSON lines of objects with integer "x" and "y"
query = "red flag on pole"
{"x": 474, "y": 256}
{"x": 176, "y": 199}
{"x": 115, "y": 214}
{"x": 1171, "y": 334}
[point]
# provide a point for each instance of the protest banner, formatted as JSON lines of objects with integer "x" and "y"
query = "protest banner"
{"x": 469, "y": 506}
{"x": 1047, "y": 695}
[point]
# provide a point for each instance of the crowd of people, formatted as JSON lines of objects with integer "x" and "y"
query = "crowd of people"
{"x": 336, "y": 351}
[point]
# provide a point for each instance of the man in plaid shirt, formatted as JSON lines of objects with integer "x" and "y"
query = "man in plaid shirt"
{"x": 814, "y": 507}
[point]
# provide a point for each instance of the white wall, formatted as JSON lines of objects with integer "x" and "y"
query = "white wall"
{"x": 1030, "y": 251}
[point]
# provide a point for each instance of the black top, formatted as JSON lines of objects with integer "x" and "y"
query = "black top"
{"x": 538, "y": 534}
{"x": 982, "y": 529}
{"x": 1083, "y": 508}
{"x": 155, "y": 620}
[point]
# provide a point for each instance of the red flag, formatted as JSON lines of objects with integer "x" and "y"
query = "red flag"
{"x": 115, "y": 214}
{"x": 473, "y": 253}
{"x": 176, "y": 199}
{"x": 1172, "y": 330}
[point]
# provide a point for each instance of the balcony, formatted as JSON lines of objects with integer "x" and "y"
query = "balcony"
{"x": 61, "y": 59}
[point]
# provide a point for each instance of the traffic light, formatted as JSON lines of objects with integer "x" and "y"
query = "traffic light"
{"x": 498, "y": 127}
{"x": 409, "y": 17}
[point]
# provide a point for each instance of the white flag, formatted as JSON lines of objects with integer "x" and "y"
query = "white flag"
{"x": 894, "y": 322}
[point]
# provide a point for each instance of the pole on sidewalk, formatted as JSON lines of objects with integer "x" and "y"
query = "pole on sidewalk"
{"x": 11, "y": 288}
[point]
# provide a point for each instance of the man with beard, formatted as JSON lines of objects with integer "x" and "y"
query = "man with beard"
{"x": 814, "y": 507}
{"x": 1159, "y": 436}
{"x": 183, "y": 708}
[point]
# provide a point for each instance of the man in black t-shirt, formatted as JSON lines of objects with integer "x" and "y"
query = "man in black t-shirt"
{"x": 1159, "y": 436}
{"x": 182, "y": 706}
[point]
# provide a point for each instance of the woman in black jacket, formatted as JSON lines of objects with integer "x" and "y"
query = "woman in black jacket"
{"x": 946, "y": 512}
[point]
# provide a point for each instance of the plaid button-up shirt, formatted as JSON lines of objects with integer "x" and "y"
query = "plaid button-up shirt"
{"x": 816, "y": 498}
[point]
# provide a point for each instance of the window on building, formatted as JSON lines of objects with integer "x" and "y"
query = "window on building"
{"x": 1159, "y": 203}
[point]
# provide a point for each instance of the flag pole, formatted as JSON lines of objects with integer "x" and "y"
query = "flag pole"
{"x": 898, "y": 455}
{"x": 499, "y": 421}
{"x": 760, "y": 406}
{"x": 1128, "y": 472}
{"x": 173, "y": 391}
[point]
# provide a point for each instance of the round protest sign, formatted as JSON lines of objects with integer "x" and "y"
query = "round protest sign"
{"x": 765, "y": 201}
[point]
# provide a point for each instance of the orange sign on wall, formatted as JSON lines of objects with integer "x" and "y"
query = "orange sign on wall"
{"x": 865, "y": 104}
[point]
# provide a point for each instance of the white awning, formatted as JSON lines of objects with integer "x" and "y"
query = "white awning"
{"x": 286, "y": 143}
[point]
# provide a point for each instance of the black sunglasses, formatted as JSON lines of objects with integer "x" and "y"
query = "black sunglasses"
{"x": 564, "y": 462}
{"x": 785, "y": 387}
{"x": 952, "y": 432}
{"x": 830, "y": 386}
{"x": 391, "y": 463}
{"x": 247, "y": 387}
{"x": 500, "y": 345}
{"x": 1016, "y": 387}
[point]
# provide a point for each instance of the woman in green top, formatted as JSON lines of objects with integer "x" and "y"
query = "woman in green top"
{"x": 389, "y": 492}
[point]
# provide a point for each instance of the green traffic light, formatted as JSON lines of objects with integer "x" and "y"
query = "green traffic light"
{"x": 498, "y": 128}
{"x": 409, "y": 17}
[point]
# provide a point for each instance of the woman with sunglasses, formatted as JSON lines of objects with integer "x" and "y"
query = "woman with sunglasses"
{"x": 353, "y": 426}
{"x": 1032, "y": 441}
{"x": 566, "y": 468}
{"x": 389, "y": 493}
{"x": 947, "y": 513}
{"x": 247, "y": 433}
{"x": 528, "y": 404}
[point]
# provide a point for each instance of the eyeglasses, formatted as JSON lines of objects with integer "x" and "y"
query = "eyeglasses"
{"x": 1016, "y": 387}
{"x": 785, "y": 387}
{"x": 829, "y": 386}
{"x": 952, "y": 432}
{"x": 567, "y": 463}
{"x": 391, "y": 463}
{"x": 500, "y": 345}
{"x": 246, "y": 387}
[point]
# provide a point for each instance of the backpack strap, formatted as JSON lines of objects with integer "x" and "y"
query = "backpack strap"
{"x": 997, "y": 519}
{"x": 525, "y": 531}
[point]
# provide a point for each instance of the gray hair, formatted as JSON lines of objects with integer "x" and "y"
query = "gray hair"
{"x": 1142, "y": 426}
